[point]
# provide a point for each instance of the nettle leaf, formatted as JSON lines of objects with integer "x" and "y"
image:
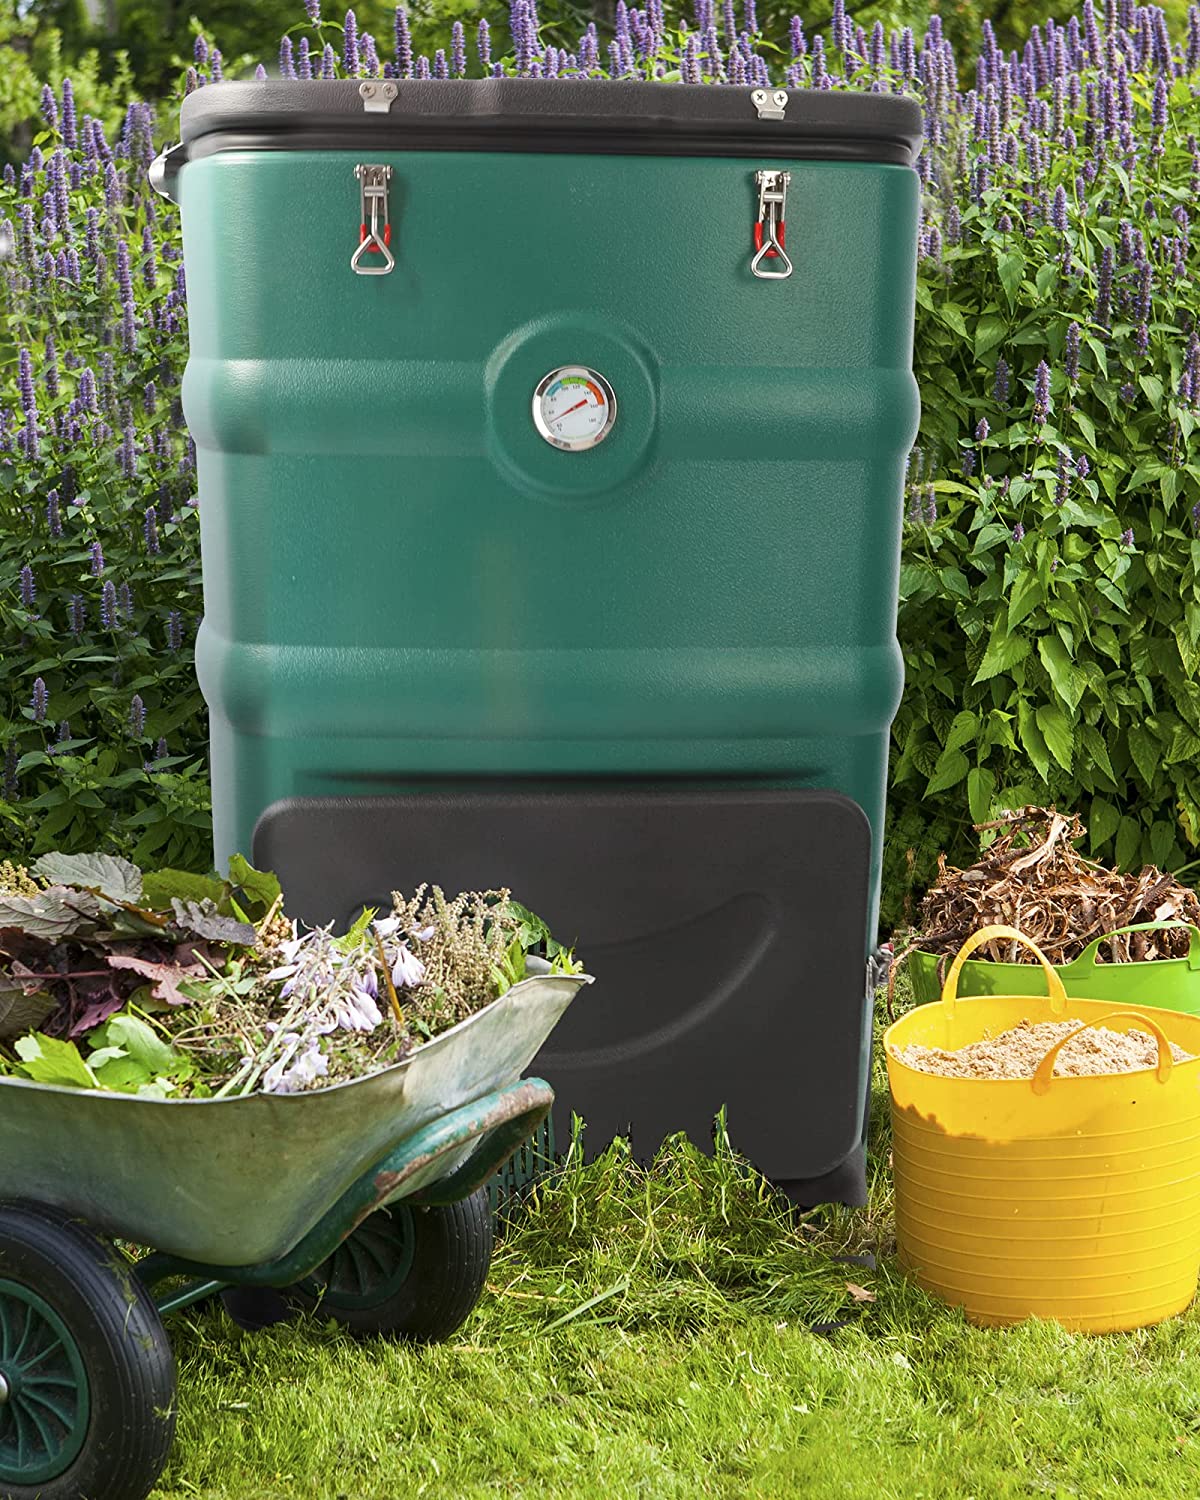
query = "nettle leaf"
{"x": 112, "y": 877}
{"x": 1068, "y": 681}
{"x": 1004, "y": 651}
{"x": 202, "y": 919}
{"x": 981, "y": 787}
{"x": 1032, "y": 739}
{"x": 1145, "y": 751}
{"x": 1103, "y": 822}
{"x": 1056, "y": 730}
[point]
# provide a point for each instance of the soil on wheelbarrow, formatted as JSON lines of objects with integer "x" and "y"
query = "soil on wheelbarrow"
{"x": 1033, "y": 877}
{"x": 1016, "y": 1053}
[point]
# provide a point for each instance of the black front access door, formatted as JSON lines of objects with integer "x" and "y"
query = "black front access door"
{"x": 727, "y": 930}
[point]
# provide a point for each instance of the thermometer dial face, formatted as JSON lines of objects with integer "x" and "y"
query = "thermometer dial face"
{"x": 574, "y": 408}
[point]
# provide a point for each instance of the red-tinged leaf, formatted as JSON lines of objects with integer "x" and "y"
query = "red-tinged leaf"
{"x": 166, "y": 977}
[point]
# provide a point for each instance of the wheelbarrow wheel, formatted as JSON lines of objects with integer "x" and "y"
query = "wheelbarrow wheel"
{"x": 87, "y": 1378}
{"x": 407, "y": 1273}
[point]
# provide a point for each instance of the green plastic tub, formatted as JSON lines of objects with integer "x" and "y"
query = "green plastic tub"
{"x": 1171, "y": 983}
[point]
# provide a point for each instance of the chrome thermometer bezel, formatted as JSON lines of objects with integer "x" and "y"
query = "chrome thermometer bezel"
{"x": 577, "y": 444}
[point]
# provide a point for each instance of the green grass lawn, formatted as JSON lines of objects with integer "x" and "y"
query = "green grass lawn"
{"x": 650, "y": 1334}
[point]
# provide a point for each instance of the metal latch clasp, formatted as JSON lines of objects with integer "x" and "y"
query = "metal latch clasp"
{"x": 375, "y": 229}
{"x": 770, "y": 229}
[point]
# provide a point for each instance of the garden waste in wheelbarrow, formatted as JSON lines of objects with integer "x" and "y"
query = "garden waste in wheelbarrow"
{"x": 622, "y": 634}
{"x": 367, "y": 1199}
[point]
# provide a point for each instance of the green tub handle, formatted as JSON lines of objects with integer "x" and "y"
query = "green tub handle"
{"x": 1087, "y": 959}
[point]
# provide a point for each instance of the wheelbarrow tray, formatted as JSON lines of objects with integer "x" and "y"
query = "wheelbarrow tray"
{"x": 240, "y": 1182}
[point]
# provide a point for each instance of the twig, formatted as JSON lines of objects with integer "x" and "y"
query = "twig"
{"x": 393, "y": 998}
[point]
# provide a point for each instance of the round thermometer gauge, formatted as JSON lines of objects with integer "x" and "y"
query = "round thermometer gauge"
{"x": 574, "y": 408}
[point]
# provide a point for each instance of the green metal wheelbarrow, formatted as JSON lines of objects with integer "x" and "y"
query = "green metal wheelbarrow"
{"x": 366, "y": 1201}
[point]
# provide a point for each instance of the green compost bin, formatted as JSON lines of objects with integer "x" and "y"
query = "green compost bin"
{"x": 551, "y": 438}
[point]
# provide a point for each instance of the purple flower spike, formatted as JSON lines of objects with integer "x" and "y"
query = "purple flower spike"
{"x": 313, "y": 10}
{"x": 404, "y": 50}
{"x": 1018, "y": 532}
{"x": 137, "y": 717}
{"x": 1058, "y": 209}
{"x": 40, "y": 701}
{"x": 77, "y": 614}
{"x": 484, "y": 46}
{"x": 981, "y": 430}
{"x": 97, "y": 560}
{"x": 1071, "y": 352}
{"x": 150, "y": 527}
{"x": 350, "y": 58}
{"x": 108, "y": 604}
{"x": 260, "y": 73}
{"x": 174, "y": 630}
{"x": 287, "y": 58}
{"x": 28, "y": 590}
{"x": 1041, "y": 393}
{"x": 49, "y": 108}
{"x": 53, "y": 516}
{"x": 1000, "y": 386}
{"x": 1127, "y": 537}
{"x": 1082, "y": 467}
{"x": 69, "y": 119}
{"x": 458, "y": 51}
{"x": 328, "y": 62}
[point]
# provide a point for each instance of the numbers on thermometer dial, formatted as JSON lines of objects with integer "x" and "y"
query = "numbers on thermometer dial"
{"x": 574, "y": 408}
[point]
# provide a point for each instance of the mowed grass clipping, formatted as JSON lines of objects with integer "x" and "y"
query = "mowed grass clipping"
{"x": 649, "y": 1333}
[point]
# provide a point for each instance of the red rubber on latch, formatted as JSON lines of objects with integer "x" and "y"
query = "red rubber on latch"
{"x": 387, "y": 237}
{"x": 772, "y": 254}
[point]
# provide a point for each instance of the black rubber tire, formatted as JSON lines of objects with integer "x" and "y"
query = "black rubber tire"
{"x": 125, "y": 1354}
{"x": 451, "y": 1250}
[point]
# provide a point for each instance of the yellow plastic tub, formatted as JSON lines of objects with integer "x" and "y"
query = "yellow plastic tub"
{"x": 1069, "y": 1198}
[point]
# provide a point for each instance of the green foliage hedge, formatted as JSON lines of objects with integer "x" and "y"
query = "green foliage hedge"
{"x": 1050, "y": 615}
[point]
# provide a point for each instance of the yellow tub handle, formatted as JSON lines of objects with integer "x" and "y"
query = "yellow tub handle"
{"x": 1043, "y": 1072}
{"x": 1054, "y": 985}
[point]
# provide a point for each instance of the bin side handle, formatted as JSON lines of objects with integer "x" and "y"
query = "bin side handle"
{"x": 1087, "y": 959}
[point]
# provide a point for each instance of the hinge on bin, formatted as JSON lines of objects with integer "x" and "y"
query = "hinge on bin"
{"x": 770, "y": 103}
{"x": 377, "y": 96}
{"x": 769, "y": 230}
{"x": 375, "y": 229}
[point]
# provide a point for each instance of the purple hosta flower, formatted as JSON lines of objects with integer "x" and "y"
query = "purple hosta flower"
{"x": 1018, "y": 532}
{"x": 53, "y": 518}
{"x": 350, "y": 58}
{"x": 137, "y": 717}
{"x": 174, "y": 630}
{"x": 97, "y": 560}
{"x": 328, "y": 62}
{"x": 77, "y": 614}
{"x": 1127, "y": 537}
{"x": 297, "y": 1069}
{"x": 108, "y": 605}
{"x": 356, "y": 1010}
{"x": 40, "y": 701}
{"x": 407, "y": 969}
{"x": 1041, "y": 393}
{"x": 28, "y": 588}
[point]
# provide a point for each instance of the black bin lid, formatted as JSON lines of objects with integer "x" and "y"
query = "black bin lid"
{"x": 584, "y": 116}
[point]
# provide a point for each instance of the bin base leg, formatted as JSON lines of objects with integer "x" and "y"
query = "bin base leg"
{"x": 847, "y": 1184}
